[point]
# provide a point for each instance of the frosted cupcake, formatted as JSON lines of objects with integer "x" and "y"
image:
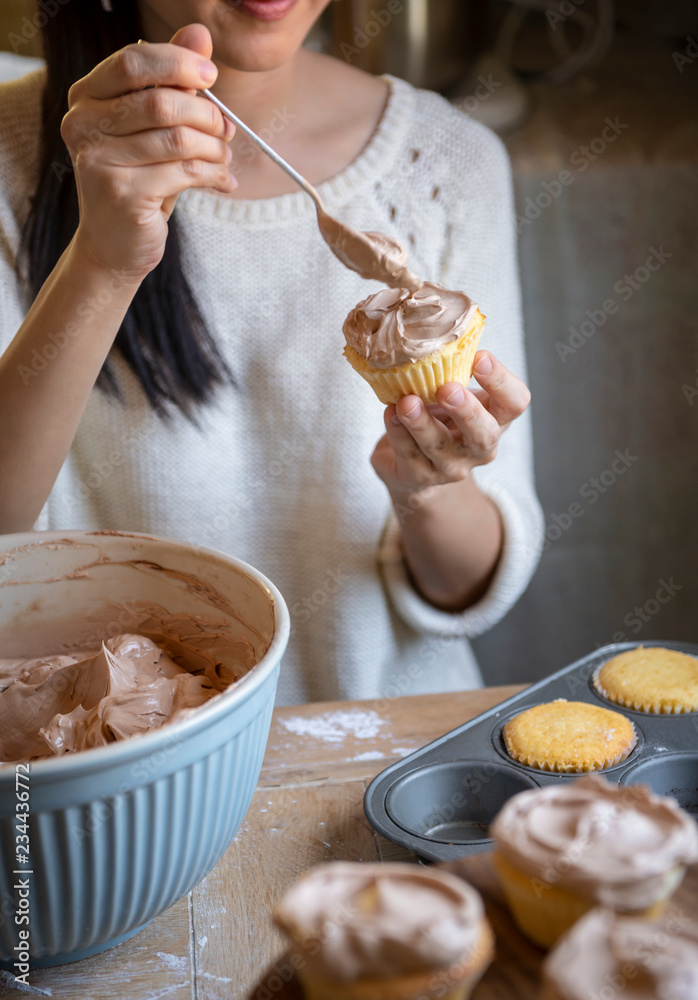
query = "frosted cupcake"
{"x": 569, "y": 736}
{"x": 563, "y": 849}
{"x": 385, "y": 932}
{"x": 405, "y": 342}
{"x": 650, "y": 679}
{"x": 604, "y": 955}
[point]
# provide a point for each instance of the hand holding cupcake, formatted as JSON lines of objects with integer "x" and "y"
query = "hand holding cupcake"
{"x": 415, "y": 343}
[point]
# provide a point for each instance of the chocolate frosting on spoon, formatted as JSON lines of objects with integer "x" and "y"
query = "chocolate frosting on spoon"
{"x": 372, "y": 255}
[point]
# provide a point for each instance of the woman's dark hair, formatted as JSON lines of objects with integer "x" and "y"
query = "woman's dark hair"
{"x": 163, "y": 337}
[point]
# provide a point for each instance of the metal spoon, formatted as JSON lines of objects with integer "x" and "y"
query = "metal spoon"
{"x": 372, "y": 255}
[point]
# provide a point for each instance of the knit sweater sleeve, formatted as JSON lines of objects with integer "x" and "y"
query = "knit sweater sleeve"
{"x": 479, "y": 257}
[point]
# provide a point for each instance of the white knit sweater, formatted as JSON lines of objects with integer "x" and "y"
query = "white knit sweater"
{"x": 278, "y": 473}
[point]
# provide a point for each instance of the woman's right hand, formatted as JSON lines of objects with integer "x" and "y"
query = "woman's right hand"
{"x": 134, "y": 150}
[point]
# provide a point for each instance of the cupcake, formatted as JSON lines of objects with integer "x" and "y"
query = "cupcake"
{"x": 406, "y": 342}
{"x": 561, "y": 850}
{"x": 650, "y": 680}
{"x": 385, "y": 931}
{"x": 604, "y": 955}
{"x": 569, "y": 736}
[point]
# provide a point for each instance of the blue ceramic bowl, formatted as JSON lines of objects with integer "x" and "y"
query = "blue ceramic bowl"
{"x": 119, "y": 833}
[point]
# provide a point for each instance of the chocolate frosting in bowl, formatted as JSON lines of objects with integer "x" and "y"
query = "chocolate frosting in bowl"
{"x": 107, "y": 635}
{"x": 619, "y": 846}
{"x": 365, "y": 921}
{"x": 117, "y": 687}
{"x": 395, "y": 326}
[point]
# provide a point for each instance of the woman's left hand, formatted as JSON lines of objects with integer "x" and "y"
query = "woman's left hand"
{"x": 428, "y": 445}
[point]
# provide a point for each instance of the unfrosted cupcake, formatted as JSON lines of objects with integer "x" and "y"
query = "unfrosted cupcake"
{"x": 385, "y": 932}
{"x": 405, "y": 342}
{"x": 604, "y": 955}
{"x": 650, "y": 679}
{"x": 563, "y": 849}
{"x": 569, "y": 736}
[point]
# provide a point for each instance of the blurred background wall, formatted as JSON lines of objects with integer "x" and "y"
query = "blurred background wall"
{"x": 597, "y": 105}
{"x": 15, "y": 35}
{"x": 608, "y": 266}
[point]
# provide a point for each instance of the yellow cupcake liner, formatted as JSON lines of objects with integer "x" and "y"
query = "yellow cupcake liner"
{"x": 453, "y": 363}
{"x": 455, "y": 983}
{"x": 543, "y": 911}
{"x": 657, "y": 706}
{"x": 561, "y": 767}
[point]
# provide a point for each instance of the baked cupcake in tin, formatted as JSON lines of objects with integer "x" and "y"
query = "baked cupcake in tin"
{"x": 404, "y": 342}
{"x": 385, "y": 932}
{"x": 566, "y": 848}
{"x": 569, "y": 737}
{"x": 605, "y": 955}
{"x": 650, "y": 679}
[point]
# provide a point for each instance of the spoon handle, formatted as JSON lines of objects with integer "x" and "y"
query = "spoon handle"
{"x": 298, "y": 178}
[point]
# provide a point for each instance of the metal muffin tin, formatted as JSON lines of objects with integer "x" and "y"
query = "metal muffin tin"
{"x": 440, "y": 801}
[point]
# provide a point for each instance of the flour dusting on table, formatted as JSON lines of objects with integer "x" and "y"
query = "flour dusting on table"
{"x": 178, "y": 963}
{"x": 334, "y": 727}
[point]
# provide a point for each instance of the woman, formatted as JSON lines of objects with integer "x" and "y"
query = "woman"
{"x": 224, "y": 413}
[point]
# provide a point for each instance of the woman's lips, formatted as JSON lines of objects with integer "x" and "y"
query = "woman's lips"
{"x": 264, "y": 10}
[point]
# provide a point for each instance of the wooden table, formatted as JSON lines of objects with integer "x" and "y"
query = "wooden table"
{"x": 217, "y": 942}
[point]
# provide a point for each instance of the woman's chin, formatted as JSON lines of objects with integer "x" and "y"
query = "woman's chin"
{"x": 253, "y": 58}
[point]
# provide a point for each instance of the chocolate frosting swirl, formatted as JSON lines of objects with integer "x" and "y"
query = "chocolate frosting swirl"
{"x": 127, "y": 685}
{"x": 637, "y": 959}
{"x": 395, "y": 327}
{"x": 364, "y": 921}
{"x": 620, "y": 846}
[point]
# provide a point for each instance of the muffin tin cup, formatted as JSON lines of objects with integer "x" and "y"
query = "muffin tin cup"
{"x": 454, "y": 802}
{"x": 439, "y": 801}
{"x": 674, "y": 774}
